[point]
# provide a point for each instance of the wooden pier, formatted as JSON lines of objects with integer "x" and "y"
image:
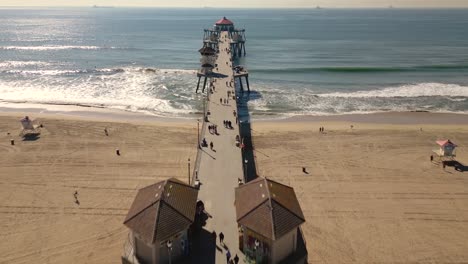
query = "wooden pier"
{"x": 224, "y": 172}
{"x": 218, "y": 170}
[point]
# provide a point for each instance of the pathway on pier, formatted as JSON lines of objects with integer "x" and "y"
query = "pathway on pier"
{"x": 221, "y": 167}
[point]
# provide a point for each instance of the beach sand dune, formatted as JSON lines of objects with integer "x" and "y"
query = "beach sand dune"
{"x": 371, "y": 194}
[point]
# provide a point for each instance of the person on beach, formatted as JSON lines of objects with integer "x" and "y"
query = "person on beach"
{"x": 236, "y": 259}
{"x": 221, "y": 238}
{"x": 211, "y": 145}
{"x": 220, "y": 100}
{"x": 432, "y": 158}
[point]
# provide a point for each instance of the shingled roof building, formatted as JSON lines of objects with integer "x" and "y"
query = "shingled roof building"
{"x": 159, "y": 219}
{"x": 269, "y": 216}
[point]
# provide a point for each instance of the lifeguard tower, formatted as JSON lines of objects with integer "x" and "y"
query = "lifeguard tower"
{"x": 446, "y": 150}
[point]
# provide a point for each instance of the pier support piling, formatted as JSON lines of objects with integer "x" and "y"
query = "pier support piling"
{"x": 198, "y": 84}
{"x": 204, "y": 85}
{"x": 247, "y": 81}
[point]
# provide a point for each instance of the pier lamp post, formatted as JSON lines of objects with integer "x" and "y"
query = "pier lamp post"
{"x": 198, "y": 132}
{"x": 169, "y": 250}
{"x": 188, "y": 163}
{"x": 245, "y": 169}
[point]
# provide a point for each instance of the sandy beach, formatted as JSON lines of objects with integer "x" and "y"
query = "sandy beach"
{"x": 371, "y": 194}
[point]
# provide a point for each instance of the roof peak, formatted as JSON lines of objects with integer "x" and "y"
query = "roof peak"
{"x": 224, "y": 21}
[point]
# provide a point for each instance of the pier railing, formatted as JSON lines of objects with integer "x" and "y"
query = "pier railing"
{"x": 196, "y": 167}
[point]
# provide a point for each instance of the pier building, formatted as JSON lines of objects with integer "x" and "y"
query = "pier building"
{"x": 159, "y": 221}
{"x": 269, "y": 216}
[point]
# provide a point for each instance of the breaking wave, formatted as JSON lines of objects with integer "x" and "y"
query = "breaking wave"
{"x": 422, "y": 68}
{"x": 413, "y": 90}
{"x": 53, "y": 47}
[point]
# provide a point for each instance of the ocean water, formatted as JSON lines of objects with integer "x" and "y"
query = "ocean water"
{"x": 309, "y": 61}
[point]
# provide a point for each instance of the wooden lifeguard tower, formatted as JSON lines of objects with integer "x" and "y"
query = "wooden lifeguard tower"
{"x": 446, "y": 150}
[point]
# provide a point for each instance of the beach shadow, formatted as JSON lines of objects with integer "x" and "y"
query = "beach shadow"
{"x": 300, "y": 255}
{"x": 31, "y": 137}
{"x": 458, "y": 166}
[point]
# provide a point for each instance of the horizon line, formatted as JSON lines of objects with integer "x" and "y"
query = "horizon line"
{"x": 231, "y": 7}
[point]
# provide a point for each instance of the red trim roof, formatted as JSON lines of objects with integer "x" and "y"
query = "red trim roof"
{"x": 445, "y": 142}
{"x": 224, "y": 21}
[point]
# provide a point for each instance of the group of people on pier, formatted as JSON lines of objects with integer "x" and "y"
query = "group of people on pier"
{"x": 213, "y": 129}
{"x": 228, "y": 124}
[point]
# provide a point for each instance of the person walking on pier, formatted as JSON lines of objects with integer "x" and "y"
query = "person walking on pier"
{"x": 228, "y": 256}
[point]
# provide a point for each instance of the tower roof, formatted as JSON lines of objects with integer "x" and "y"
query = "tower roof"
{"x": 162, "y": 210}
{"x": 445, "y": 142}
{"x": 268, "y": 208}
{"x": 224, "y": 21}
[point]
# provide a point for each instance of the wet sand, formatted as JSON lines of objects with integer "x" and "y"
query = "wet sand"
{"x": 371, "y": 194}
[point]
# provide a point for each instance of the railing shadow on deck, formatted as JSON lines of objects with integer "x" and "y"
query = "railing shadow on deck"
{"x": 202, "y": 134}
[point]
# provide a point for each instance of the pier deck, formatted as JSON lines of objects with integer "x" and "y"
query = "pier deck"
{"x": 219, "y": 169}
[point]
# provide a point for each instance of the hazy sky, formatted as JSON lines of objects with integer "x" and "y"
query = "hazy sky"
{"x": 242, "y": 3}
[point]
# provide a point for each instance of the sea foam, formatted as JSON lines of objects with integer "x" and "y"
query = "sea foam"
{"x": 411, "y": 90}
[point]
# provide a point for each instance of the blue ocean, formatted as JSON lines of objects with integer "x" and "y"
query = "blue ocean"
{"x": 301, "y": 62}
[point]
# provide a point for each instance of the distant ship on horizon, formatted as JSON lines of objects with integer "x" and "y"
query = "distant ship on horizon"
{"x": 96, "y": 6}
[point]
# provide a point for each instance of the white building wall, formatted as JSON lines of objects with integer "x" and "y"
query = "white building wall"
{"x": 284, "y": 246}
{"x": 143, "y": 252}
